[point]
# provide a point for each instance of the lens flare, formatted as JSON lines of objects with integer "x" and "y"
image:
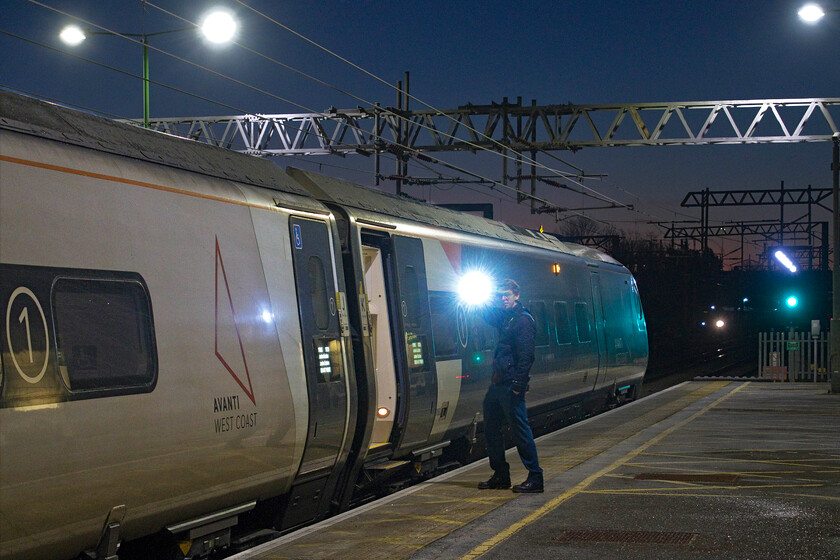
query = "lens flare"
{"x": 475, "y": 288}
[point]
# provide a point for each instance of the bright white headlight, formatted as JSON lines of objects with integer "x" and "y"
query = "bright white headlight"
{"x": 475, "y": 288}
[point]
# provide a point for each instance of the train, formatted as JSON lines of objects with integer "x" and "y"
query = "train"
{"x": 200, "y": 349}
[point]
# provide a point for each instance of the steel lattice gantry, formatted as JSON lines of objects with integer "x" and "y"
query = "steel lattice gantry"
{"x": 771, "y": 231}
{"x": 781, "y": 197}
{"x": 518, "y": 127}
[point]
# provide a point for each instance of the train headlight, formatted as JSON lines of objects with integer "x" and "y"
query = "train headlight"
{"x": 720, "y": 323}
{"x": 475, "y": 288}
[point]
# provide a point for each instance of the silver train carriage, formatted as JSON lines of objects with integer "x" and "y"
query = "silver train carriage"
{"x": 197, "y": 345}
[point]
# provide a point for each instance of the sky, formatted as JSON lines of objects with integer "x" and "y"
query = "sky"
{"x": 459, "y": 52}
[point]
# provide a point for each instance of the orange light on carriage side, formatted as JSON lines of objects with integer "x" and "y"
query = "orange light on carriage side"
{"x": 555, "y": 268}
{"x": 382, "y": 412}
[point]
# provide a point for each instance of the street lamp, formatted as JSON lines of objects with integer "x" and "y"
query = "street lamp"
{"x": 217, "y": 27}
{"x": 812, "y": 13}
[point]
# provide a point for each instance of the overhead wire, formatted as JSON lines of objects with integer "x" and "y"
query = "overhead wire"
{"x": 371, "y": 103}
{"x": 500, "y": 145}
{"x": 596, "y": 194}
{"x": 239, "y": 82}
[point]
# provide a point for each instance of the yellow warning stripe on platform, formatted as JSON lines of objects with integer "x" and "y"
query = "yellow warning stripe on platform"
{"x": 489, "y": 544}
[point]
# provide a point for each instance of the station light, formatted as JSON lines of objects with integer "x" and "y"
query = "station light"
{"x": 782, "y": 258}
{"x": 219, "y": 27}
{"x": 475, "y": 288}
{"x": 811, "y": 13}
{"x": 72, "y": 35}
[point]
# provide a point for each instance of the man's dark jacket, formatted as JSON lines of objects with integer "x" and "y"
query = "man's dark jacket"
{"x": 515, "y": 349}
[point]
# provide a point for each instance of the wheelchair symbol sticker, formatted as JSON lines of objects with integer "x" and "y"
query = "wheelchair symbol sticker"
{"x": 298, "y": 237}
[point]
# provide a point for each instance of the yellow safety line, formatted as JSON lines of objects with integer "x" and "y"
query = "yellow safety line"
{"x": 489, "y": 544}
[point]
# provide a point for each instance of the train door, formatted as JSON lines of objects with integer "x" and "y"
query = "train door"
{"x": 395, "y": 276}
{"x": 322, "y": 347}
{"x": 600, "y": 337}
{"x": 415, "y": 340}
{"x": 383, "y": 350}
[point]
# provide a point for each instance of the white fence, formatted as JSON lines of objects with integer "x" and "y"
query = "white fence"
{"x": 793, "y": 356}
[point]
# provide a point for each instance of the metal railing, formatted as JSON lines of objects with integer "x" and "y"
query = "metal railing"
{"x": 793, "y": 356}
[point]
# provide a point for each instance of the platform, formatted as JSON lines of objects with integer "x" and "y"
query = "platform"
{"x": 706, "y": 469}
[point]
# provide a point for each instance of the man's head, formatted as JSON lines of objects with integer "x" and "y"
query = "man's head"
{"x": 509, "y": 291}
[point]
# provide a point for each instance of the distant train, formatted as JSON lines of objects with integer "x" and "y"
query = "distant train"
{"x": 197, "y": 345}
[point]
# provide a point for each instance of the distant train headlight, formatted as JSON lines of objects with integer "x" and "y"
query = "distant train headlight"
{"x": 720, "y": 323}
{"x": 475, "y": 288}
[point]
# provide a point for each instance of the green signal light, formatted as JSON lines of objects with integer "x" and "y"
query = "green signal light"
{"x": 476, "y": 358}
{"x": 791, "y": 301}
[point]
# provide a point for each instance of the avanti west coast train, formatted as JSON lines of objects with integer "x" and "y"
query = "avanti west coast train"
{"x": 197, "y": 345}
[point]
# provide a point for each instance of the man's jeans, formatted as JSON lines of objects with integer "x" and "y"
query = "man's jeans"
{"x": 500, "y": 406}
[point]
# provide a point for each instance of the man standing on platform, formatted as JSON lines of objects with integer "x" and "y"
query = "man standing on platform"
{"x": 505, "y": 398}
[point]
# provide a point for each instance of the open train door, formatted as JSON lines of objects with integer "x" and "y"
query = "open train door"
{"x": 406, "y": 380}
{"x": 321, "y": 337}
{"x": 414, "y": 342}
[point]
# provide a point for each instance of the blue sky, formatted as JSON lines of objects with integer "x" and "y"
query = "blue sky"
{"x": 458, "y": 52}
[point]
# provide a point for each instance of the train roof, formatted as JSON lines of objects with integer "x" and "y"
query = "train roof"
{"x": 47, "y": 120}
{"x": 379, "y": 207}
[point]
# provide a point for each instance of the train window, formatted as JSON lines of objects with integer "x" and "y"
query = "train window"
{"x": 637, "y": 309}
{"x": 444, "y": 325}
{"x": 104, "y": 334}
{"x": 318, "y": 293}
{"x": 483, "y": 336}
{"x": 582, "y": 319}
{"x": 563, "y": 329}
{"x": 538, "y": 311}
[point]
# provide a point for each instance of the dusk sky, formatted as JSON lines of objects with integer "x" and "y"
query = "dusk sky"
{"x": 461, "y": 52}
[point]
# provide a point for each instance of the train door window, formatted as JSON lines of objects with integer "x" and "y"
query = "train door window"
{"x": 562, "y": 326}
{"x": 538, "y": 311}
{"x": 584, "y": 331}
{"x": 104, "y": 334}
{"x": 411, "y": 293}
{"x": 444, "y": 325}
{"x": 318, "y": 293}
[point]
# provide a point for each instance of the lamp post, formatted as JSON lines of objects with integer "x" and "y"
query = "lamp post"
{"x": 834, "y": 327}
{"x": 217, "y": 27}
{"x": 813, "y": 13}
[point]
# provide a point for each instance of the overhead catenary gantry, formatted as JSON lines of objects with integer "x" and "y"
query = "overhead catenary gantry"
{"x": 514, "y": 130}
{"x": 777, "y": 231}
{"x": 517, "y": 127}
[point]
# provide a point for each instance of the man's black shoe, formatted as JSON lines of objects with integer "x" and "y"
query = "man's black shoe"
{"x": 529, "y": 487}
{"x": 495, "y": 483}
